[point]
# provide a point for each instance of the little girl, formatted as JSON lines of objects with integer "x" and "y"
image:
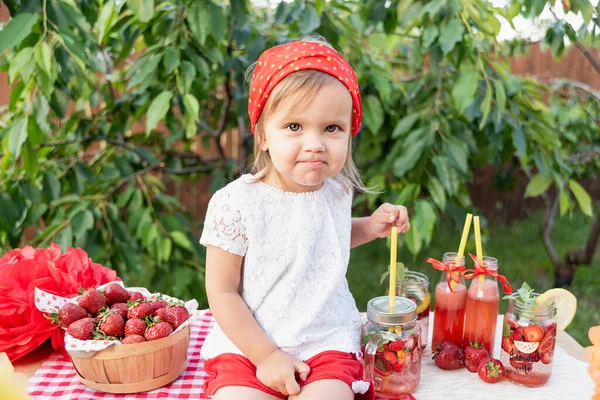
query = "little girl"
{"x": 278, "y": 241}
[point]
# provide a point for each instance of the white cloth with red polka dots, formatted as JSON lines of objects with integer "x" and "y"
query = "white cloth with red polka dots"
{"x": 50, "y": 304}
{"x": 296, "y": 248}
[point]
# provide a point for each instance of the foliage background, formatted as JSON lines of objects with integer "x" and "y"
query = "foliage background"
{"x": 111, "y": 99}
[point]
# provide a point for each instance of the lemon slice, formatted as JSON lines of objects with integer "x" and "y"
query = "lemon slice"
{"x": 566, "y": 305}
{"x": 425, "y": 303}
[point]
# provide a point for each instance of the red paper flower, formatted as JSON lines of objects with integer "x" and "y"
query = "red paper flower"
{"x": 22, "y": 326}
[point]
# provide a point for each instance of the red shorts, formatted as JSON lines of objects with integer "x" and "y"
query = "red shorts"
{"x": 236, "y": 370}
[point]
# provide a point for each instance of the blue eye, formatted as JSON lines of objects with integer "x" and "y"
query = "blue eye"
{"x": 294, "y": 127}
{"x": 332, "y": 128}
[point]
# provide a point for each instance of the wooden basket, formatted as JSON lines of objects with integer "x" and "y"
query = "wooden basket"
{"x": 134, "y": 368}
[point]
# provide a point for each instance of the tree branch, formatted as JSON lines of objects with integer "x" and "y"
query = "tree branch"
{"x": 547, "y": 225}
{"x": 558, "y": 82}
{"x": 595, "y": 63}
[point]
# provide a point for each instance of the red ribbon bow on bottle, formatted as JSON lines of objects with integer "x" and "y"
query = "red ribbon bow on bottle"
{"x": 482, "y": 270}
{"x": 452, "y": 271}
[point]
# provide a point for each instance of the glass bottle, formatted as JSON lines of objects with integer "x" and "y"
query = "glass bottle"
{"x": 483, "y": 302}
{"x": 450, "y": 303}
{"x": 416, "y": 288}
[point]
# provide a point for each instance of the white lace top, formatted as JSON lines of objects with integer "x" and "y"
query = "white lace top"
{"x": 296, "y": 248}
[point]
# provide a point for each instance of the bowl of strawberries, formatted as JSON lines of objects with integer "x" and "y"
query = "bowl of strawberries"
{"x": 126, "y": 340}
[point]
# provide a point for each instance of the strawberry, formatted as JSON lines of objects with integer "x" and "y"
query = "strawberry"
{"x": 133, "y": 339}
{"x": 550, "y": 328}
{"x": 519, "y": 333}
{"x": 176, "y": 315}
{"x": 115, "y": 293}
{"x": 92, "y": 300}
{"x": 136, "y": 296}
{"x": 140, "y": 310}
{"x": 491, "y": 371}
{"x": 160, "y": 313}
{"x": 475, "y": 354}
{"x": 122, "y": 309}
{"x": 112, "y": 324}
{"x": 546, "y": 348}
{"x": 158, "y": 331}
{"x": 508, "y": 345}
{"x": 390, "y": 357}
{"x": 70, "y": 313}
{"x": 396, "y": 345}
{"x": 135, "y": 326}
{"x": 82, "y": 329}
{"x": 158, "y": 304}
{"x": 533, "y": 333}
{"x": 398, "y": 367}
{"x": 449, "y": 356}
{"x": 547, "y": 358}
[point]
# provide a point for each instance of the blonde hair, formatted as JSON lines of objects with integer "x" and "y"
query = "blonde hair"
{"x": 301, "y": 87}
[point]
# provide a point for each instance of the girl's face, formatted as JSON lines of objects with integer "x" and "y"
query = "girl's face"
{"x": 310, "y": 145}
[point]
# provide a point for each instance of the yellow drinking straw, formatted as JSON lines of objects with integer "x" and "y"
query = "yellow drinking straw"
{"x": 478, "y": 248}
{"x": 463, "y": 243}
{"x": 393, "y": 250}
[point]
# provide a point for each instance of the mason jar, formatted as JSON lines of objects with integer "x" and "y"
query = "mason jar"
{"x": 528, "y": 342}
{"x": 415, "y": 287}
{"x": 391, "y": 344}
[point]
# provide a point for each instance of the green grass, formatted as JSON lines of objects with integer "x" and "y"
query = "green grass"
{"x": 521, "y": 256}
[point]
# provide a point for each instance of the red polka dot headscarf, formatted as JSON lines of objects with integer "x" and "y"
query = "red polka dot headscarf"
{"x": 278, "y": 62}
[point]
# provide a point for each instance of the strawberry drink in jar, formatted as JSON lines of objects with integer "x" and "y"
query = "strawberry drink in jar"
{"x": 528, "y": 339}
{"x": 391, "y": 347}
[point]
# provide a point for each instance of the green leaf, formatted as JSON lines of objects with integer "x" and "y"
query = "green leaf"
{"x": 157, "y": 110}
{"x": 537, "y": 185}
{"x": 106, "y": 20}
{"x": 51, "y": 186}
{"x": 187, "y": 75}
{"x": 413, "y": 240}
{"x": 148, "y": 67}
{"x": 17, "y": 29}
{"x": 320, "y": 6}
{"x": 190, "y": 126}
{"x": 239, "y": 10}
{"x": 404, "y": 125}
{"x": 425, "y": 218}
{"x": 519, "y": 141}
{"x": 165, "y": 249}
{"x": 431, "y": 7}
{"x": 464, "y": 90}
{"x": 182, "y": 240}
{"x": 43, "y": 57}
{"x": 218, "y": 22}
{"x": 485, "y": 106}
{"x": 149, "y": 236}
{"x": 19, "y": 62}
{"x": 16, "y": 137}
{"x": 458, "y": 153}
{"x": 583, "y": 198}
{"x": 81, "y": 223}
{"x": 564, "y": 202}
{"x": 198, "y": 18}
{"x": 309, "y": 21}
{"x": 451, "y": 34}
{"x": 500, "y": 99}
{"x": 30, "y": 161}
{"x": 142, "y": 9}
{"x": 429, "y": 36}
{"x": 373, "y": 113}
{"x": 408, "y": 159}
{"x": 171, "y": 60}
{"x": 192, "y": 106}
{"x": 436, "y": 190}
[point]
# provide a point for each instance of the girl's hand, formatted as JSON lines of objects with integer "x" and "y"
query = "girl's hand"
{"x": 277, "y": 371}
{"x": 386, "y": 217}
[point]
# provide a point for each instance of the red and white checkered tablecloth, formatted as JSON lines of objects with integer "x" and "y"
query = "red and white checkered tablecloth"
{"x": 57, "y": 379}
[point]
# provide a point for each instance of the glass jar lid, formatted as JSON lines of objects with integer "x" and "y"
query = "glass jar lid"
{"x": 378, "y": 311}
